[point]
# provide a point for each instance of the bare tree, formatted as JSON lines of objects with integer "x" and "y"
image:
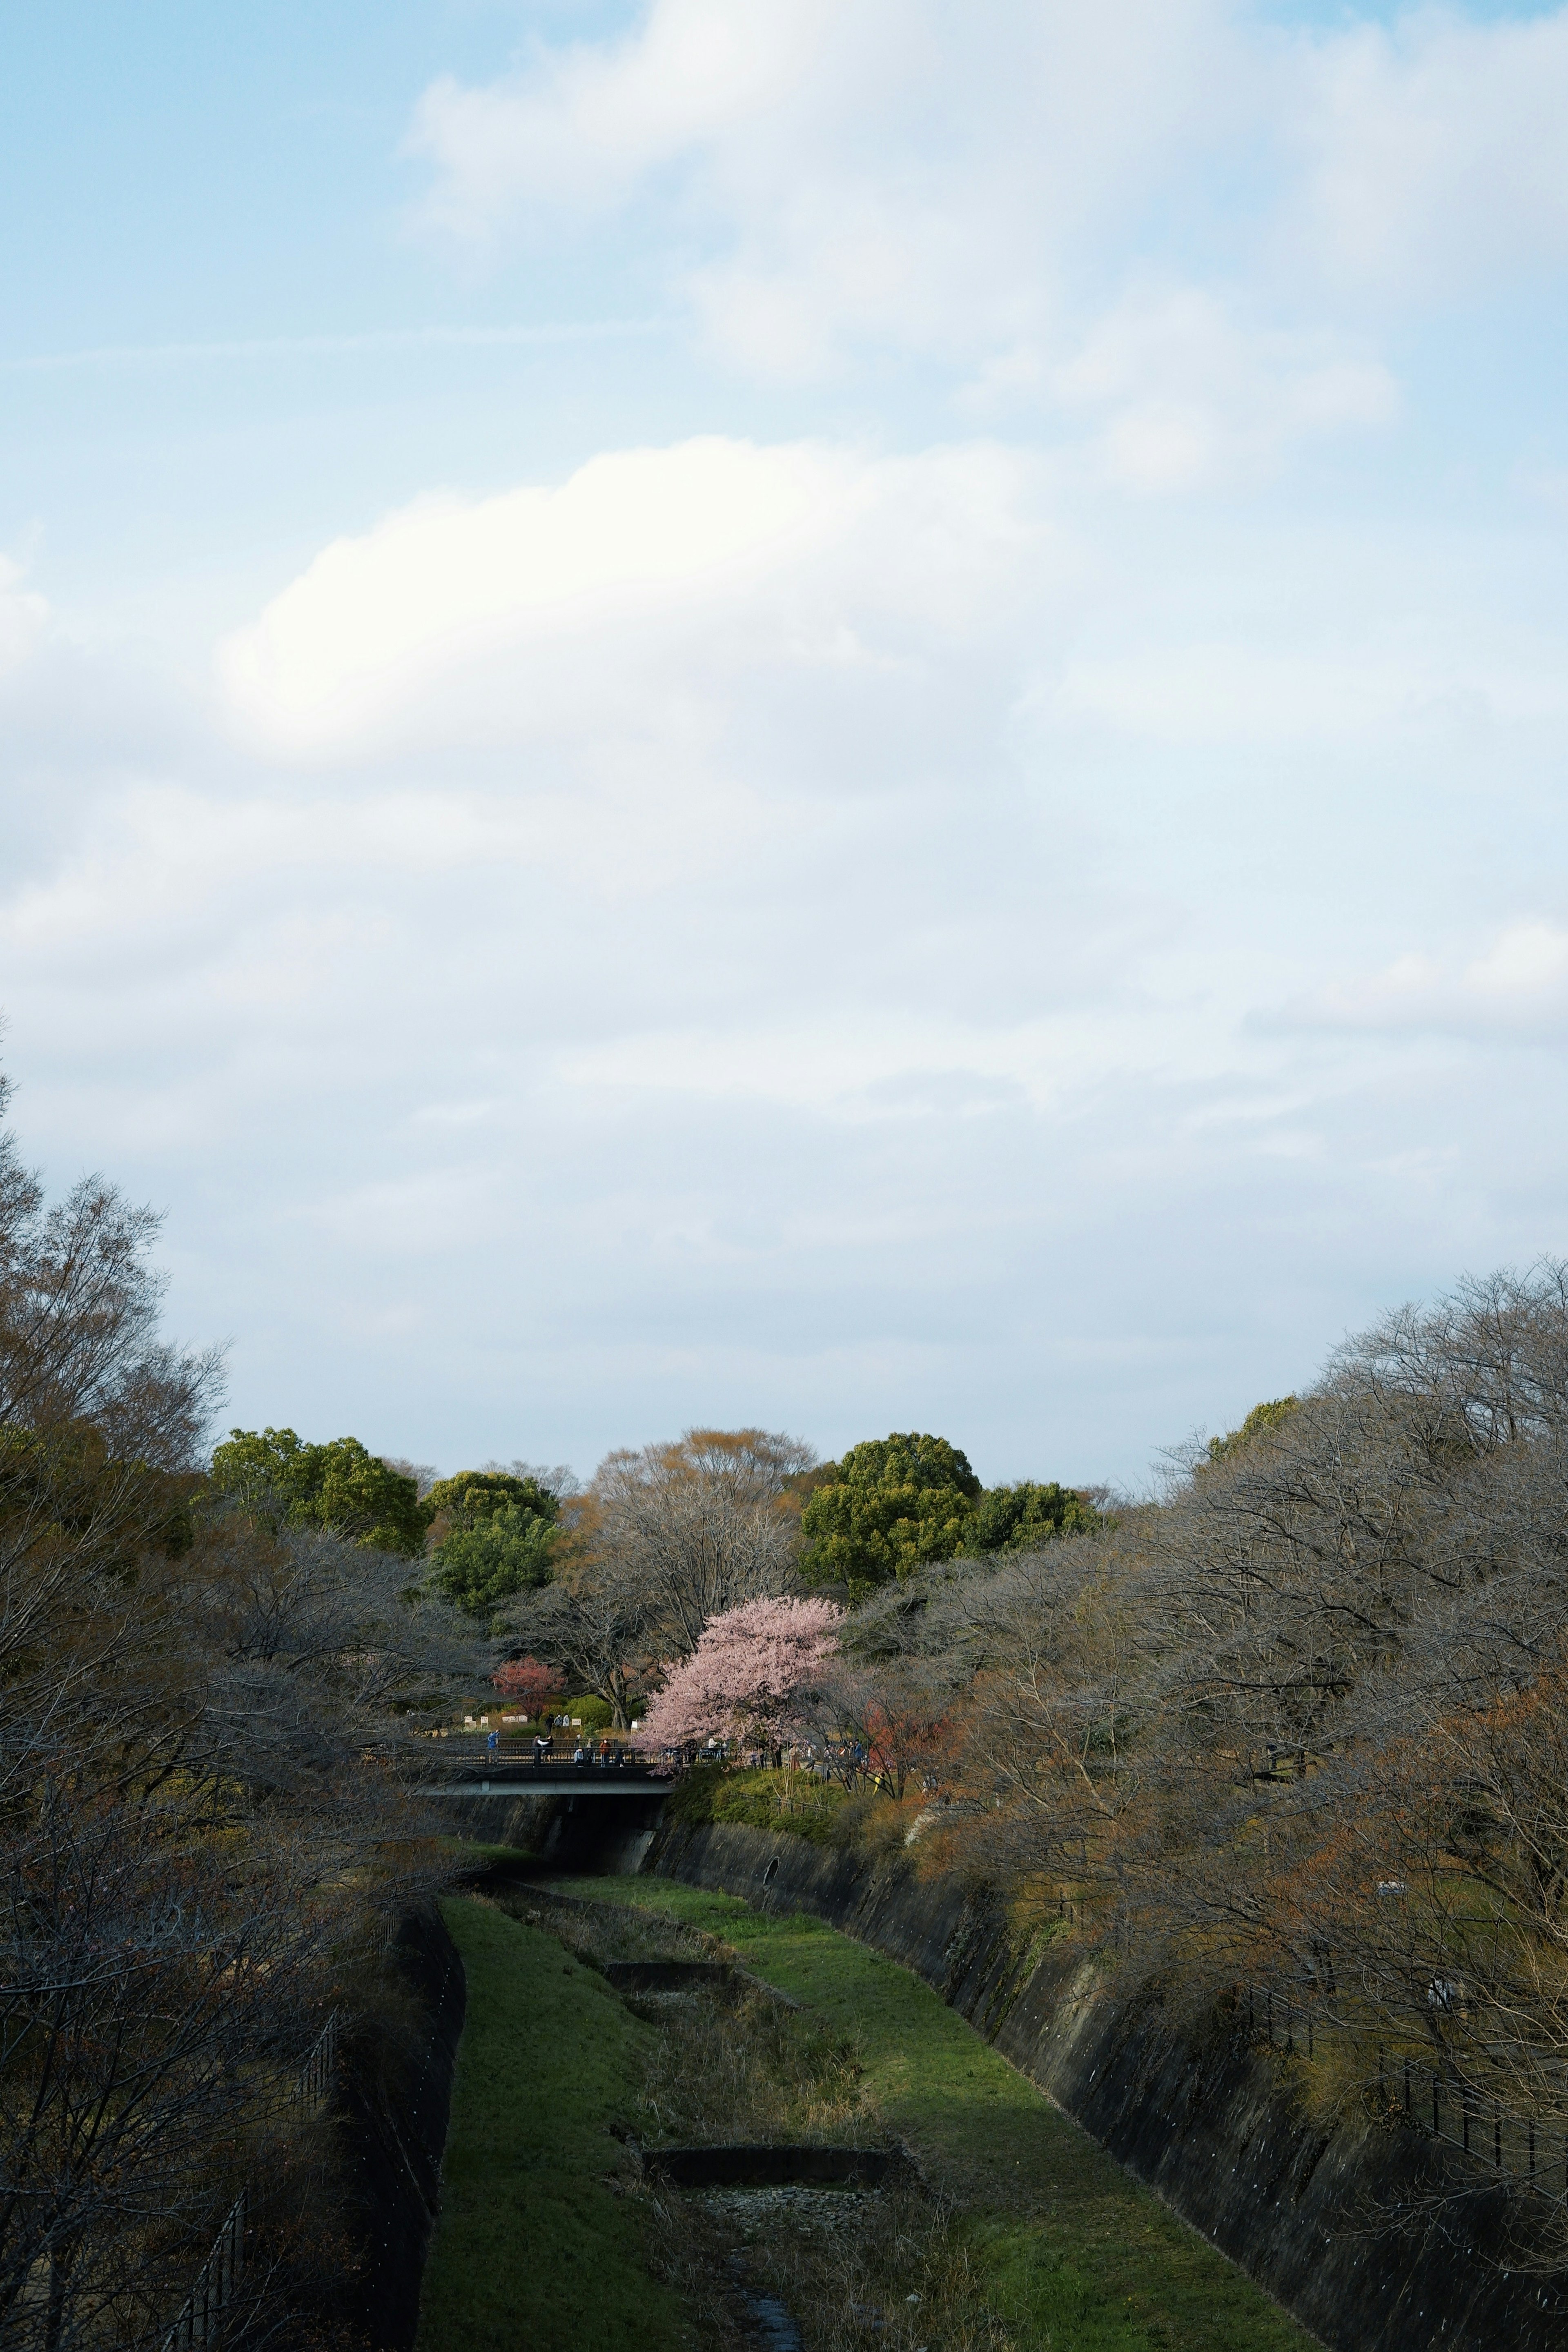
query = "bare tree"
{"x": 881, "y": 1725}
{"x": 200, "y": 1819}
{"x": 1298, "y": 1731}
{"x": 700, "y": 1525}
{"x": 596, "y": 1633}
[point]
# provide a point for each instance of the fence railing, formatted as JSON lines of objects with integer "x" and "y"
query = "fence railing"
{"x": 199, "y": 2321}
{"x": 1284, "y": 2023}
{"x": 201, "y": 2315}
{"x": 1529, "y": 2152}
{"x": 495, "y": 1776}
{"x": 316, "y": 2074}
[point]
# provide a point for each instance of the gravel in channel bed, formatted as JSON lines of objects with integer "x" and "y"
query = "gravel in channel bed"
{"x": 817, "y": 2212}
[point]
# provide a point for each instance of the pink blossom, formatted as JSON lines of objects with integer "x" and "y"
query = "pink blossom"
{"x": 750, "y": 1666}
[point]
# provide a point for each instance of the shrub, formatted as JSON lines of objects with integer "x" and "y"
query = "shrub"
{"x": 755, "y": 1801}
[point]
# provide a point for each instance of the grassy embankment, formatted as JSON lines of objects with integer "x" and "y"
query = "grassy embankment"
{"x": 533, "y": 2245}
{"x": 1073, "y": 2254}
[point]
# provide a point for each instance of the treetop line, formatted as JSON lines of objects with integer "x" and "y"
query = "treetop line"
{"x": 1298, "y": 1729}
{"x": 890, "y": 1506}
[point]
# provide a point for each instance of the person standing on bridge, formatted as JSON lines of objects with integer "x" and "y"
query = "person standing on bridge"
{"x": 541, "y": 1749}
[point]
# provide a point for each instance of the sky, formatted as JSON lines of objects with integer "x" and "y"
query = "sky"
{"x": 851, "y": 717}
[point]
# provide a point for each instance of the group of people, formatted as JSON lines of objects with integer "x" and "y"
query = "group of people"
{"x": 606, "y": 1753}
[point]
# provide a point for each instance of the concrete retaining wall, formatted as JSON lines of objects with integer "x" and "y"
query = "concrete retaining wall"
{"x": 392, "y": 2108}
{"x": 1212, "y": 2127}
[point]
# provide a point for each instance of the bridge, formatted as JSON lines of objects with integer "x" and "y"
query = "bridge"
{"x": 552, "y": 1779}
{"x": 604, "y": 1819}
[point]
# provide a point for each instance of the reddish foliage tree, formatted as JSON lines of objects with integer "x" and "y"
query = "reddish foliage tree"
{"x": 525, "y": 1681}
{"x": 882, "y": 1723}
{"x": 905, "y": 1734}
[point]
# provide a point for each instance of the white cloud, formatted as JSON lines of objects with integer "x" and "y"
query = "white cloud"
{"x": 1248, "y": 691}
{"x": 763, "y": 927}
{"x": 1517, "y": 983}
{"x": 1432, "y": 154}
{"x": 1185, "y": 395}
{"x": 815, "y": 985}
{"x": 1526, "y": 962}
{"x": 24, "y": 617}
{"x": 582, "y": 125}
{"x": 883, "y": 170}
{"x": 1029, "y": 197}
{"x": 635, "y": 596}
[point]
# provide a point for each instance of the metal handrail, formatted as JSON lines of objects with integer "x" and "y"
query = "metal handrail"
{"x": 199, "y": 2320}
{"x": 200, "y": 2317}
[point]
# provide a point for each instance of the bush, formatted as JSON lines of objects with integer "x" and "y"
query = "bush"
{"x": 873, "y": 1824}
{"x": 754, "y": 1801}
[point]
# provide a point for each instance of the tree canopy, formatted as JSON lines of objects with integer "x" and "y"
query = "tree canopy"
{"x": 890, "y": 1506}
{"x": 190, "y": 1840}
{"x": 469, "y": 1498}
{"x": 340, "y": 1488}
{"x": 1259, "y": 1423}
{"x": 526, "y": 1682}
{"x": 703, "y": 1523}
{"x": 494, "y": 1535}
{"x": 1023, "y": 1517}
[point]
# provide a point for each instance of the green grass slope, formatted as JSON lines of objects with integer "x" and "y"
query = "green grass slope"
{"x": 1075, "y": 2255}
{"x": 531, "y": 2245}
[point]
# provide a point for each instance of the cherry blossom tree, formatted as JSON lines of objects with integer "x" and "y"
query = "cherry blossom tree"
{"x": 749, "y": 1675}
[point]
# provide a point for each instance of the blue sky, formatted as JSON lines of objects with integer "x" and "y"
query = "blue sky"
{"x": 847, "y": 716}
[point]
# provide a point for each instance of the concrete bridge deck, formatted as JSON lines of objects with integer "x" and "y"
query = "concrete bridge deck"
{"x": 569, "y": 1781}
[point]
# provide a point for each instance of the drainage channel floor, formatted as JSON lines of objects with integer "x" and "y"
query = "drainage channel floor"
{"x": 757, "y": 2213}
{"x": 776, "y": 2329}
{"x": 1052, "y": 2245}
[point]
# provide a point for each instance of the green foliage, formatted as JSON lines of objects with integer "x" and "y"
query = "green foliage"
{"x": 469, "y": 1498}
{"x": 338, "y": 1487}
{"x": 495, "y": 1534}
{"x": 753, "y": 1798}
{"x": 889, "y": 1507}
{"x": 593, "y": 1714}
{"x": 479, "y": 1567}
{"x": 1258, "y": 1423}
{"x": 1023, "y": 1517}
